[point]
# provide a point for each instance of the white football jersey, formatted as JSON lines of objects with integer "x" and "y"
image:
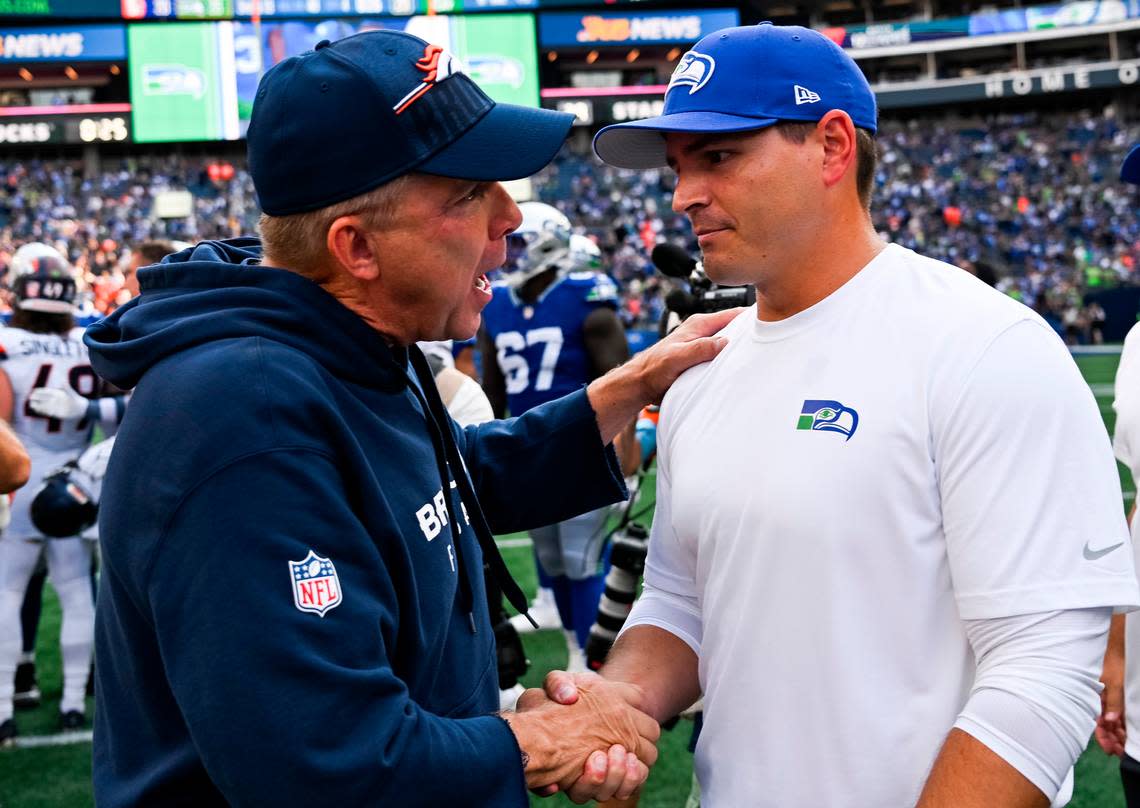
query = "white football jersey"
{"x": 44, "y": 360}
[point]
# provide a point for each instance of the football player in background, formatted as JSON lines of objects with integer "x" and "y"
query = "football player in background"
{"x": 550, "y": 328}
{"x": 464, "y": 398}
{"x": 50, "y": 395}
{"x": 15, "y": 466}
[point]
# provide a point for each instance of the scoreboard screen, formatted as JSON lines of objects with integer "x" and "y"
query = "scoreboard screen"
{"x": 112, "y": 128}
{"x": 104, "y": 9}
{"x": 177, "y": 9}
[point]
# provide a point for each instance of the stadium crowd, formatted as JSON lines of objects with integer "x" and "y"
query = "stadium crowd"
{"x": 1032, "y": 199}
{"x": 94, "y": 220}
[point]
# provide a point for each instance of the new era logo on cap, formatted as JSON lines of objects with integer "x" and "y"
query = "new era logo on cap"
{"x": 805, "y": 96}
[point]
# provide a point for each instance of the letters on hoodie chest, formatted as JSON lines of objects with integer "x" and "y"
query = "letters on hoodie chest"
{"x": 403, "y": 465}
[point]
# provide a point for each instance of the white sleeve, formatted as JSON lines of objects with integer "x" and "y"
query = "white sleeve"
{"x": 1035, "y": 697}
{"x": 470, "y": 405}
{"x": 669, "y": 597}
{"x": 1126, "y": 436}
{"x": 1031, "y": 502}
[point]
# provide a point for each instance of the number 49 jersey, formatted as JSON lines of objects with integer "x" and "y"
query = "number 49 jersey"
{"x": 32, "y": 361}
{"x": 540, "y": 347}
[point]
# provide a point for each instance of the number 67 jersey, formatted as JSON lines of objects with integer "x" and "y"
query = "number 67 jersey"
{"x": 31, "y": 361}
{"x": 540, "y": 346}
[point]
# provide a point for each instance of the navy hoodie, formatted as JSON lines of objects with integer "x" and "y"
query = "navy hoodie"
{"x": 287, "y": 615}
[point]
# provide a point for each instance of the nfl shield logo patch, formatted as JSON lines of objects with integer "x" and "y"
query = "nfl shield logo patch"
{"x": 316, "y": 587}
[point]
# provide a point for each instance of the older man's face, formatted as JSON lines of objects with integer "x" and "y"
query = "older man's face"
{"x": 446, "y": 234}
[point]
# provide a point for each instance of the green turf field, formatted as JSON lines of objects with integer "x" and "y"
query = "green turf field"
{"x": 54, "y": 777}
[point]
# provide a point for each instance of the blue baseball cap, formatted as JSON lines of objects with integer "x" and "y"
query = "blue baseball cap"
{"x": 348, "y": 116}
{"x": 741, "y": 79}
{"x": 1130, "y": 171}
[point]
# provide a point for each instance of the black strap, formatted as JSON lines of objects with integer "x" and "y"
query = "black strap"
{"x": 466, "y": 597}
{"x": 467, "y": 496}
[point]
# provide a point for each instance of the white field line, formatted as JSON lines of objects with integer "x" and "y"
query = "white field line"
{"x": 511, "y": 544}
{"x": 59, "y": 739}
{"x": 1090, "y": 350}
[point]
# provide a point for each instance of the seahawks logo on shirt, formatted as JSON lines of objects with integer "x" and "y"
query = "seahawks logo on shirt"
{"x": 820, "y": 415}
{"x": 604, "y": 290}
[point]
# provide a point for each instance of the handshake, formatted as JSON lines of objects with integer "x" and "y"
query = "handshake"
{"x": 585, "y": 736}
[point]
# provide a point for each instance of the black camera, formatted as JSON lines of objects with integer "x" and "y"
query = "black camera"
{"x": 703, "y": 295}
{"x": 627, "y": 563}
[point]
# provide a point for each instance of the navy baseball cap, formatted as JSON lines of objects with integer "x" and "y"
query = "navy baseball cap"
{"x": 741, "y": 79}
{"x": 340, "y": 120}
{"x": 1130, "y": 171}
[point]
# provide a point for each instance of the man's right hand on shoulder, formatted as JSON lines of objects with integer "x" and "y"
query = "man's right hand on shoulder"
{"x": 618, "y": 396}
{"x": 580, "y": 748}
{"x": 695, "y": 341}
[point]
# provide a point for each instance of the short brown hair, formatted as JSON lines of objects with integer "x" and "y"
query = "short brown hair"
{"x": 866, "y": 153}
{"x": 298, "y": 241}
{"x": 152, "y": 252}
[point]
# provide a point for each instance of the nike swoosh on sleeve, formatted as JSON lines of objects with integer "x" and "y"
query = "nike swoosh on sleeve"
{"x": 1092, "y": 555}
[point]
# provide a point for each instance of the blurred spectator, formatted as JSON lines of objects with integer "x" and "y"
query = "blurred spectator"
{"x": 1028, "y": 202}
{"x": 91, "y": 218}
{"x": 145, "y": 254}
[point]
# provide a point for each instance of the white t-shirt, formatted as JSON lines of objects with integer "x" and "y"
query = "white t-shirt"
{"x": 44, "y": 360}
{"x": 1126, "y": 442}
{"x": 837, "y": 491}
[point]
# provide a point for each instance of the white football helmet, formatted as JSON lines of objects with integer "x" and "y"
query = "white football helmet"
{"x": 585, "y": 254}
{"x": 541, "y": 243}
{"x": 42, "y": 280}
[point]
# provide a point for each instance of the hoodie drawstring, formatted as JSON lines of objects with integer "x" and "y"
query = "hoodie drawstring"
{"x": 448, "y": 455}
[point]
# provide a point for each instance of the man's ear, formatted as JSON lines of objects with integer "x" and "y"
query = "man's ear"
{"x": 349, "y": 246}
{"x": 836, "y": 131}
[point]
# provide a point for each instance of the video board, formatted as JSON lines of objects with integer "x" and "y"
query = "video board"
{"x": 269, "y": 9}
{"x": 197, "y": 81}
{"x": 277, "y": 9}
{"x": 984, "y": 23}
{"x": 64, "y": 43}
{"x": 179, "y": 74}
{"x": 570, "y": 29}
{"x": 177, "y": 9}
{"x": 497, "y": 51}
{"x": 65, "y": 128}
{"x": 97, "y": 9}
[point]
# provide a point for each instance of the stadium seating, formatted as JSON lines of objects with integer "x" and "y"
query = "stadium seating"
{"x": 1034, "y": 196}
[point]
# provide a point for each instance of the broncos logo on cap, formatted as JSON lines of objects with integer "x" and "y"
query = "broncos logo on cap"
{"x": 694, "y": 71}
{"x": 437, "y": 64}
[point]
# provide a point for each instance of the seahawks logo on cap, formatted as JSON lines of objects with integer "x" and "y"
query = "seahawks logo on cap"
{"x": 694, "y": 71}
